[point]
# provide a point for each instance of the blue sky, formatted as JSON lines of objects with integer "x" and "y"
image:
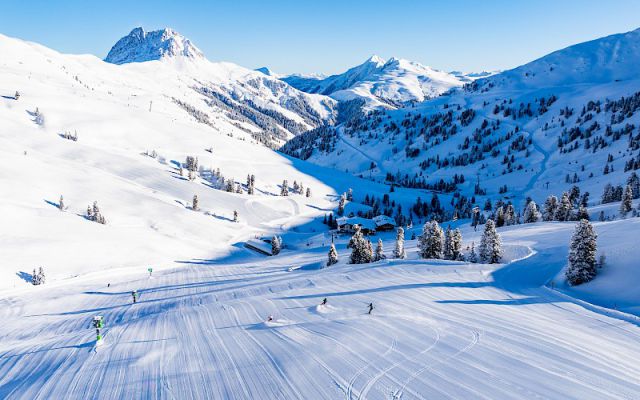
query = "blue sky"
{"x": 331, "y": 36}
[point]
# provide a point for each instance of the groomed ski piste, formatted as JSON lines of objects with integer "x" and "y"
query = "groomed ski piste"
{"x": 439, "y": 329}
{"x": 200, "y": 328}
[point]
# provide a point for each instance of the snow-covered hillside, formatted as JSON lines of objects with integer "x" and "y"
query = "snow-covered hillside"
{"x": 389, "y": 84}
{"x": 151, "y": 174}
{"x": 514, "y": 139}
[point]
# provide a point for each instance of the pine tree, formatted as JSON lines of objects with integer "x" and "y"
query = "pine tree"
{"x": 399, "y": 252}
{"x": 379, "y": 255}
{"x": 582, "y": 213}
{"x": 360, "y": 248}
{"x": 490, "y": 244}
{"x": 332, "y": 256}
{"x": 456, "y": 245}
{"x": 276, "y": 245}
{"x": 341, "y": 204}
{"x": 564, "y": 208}
{"x": 510, "y": 215}
{"x": 627, "y": 201}
{"x": 61, "y": 204}
{"x": 582, "y": 254}
{"x": 350, "y": 195}
{"x": 235, "y": 216}
{"x": 41, "y": 276}
{"x": 194, "y": 205}
{"x": 285, "y": 188}
{"x": 431, "y": 243}
{"x": 500, "y": 216}
{"x": 531, "y": 213}
{"x": 308, "y": 192}
{"x": 448, "y": 251}
{"x": 473, "y": 257}
{"x": 550, "y": 208}
{"x": 34, "y": 278}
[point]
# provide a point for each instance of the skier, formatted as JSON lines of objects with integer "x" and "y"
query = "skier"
{"x": 134, "y": 294}
{"x": 98, "y": 324}
{"x": 324, "y": 302}
{"x": 270, "y": 318}
{"x": 370, "y": 308}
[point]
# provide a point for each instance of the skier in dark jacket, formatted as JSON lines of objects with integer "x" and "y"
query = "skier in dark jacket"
{"x": 134, "y": 294}
{"x": 324, "y": 302}
{"x": 370, "y": 307}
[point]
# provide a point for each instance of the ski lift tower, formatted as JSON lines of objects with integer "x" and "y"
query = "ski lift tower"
{"x": 98, "y": 323}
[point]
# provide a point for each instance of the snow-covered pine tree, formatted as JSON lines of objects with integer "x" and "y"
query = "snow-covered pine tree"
{"x": 582, "y": 213}
{"x": 473, "y": 257}
{"x": 550, "y": 208}
{"x": 379, "y": 255}
{"x": 531, "y": 213}
{"x": 350, "y": 195}
{"x": 34, "y": 278}
{"x": 296, "y": 187}
{"x": 194, "y": 204}
{"x": 627, "y": 201}
{"x": 276, "y": 245}
{"x": 41, "y": 276}
{"x": 500, "y": 216}
{"x": 332, "y": 256}
{"x": 490, "y": 244}
{"x": 399, "y": 252}
{"x": 510, "y": 217}
{"x": 308, "y": 194}
{"x": 582, "y": 254}
{"x": 369, "y": 251}
{"x": 431, "y": 242}
{"x": 235, "y": 216}
{"x": 448, "y": 251}
{"x": 285, "y": 188}
{"x": 301, "y": 189}
{"x": 360, "y": 253}
{"x": 456, "y": 245}
{"x": 563, "y": 212}
{"x": 61, "y": 203}
{"x": 341, "y": 204}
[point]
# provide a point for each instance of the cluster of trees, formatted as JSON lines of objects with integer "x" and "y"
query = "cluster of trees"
{"x": 70, "y": 136}
{"x": 94, "y": 214}
{"x": 572, "y": 206}
{"x": 38, "y": 278}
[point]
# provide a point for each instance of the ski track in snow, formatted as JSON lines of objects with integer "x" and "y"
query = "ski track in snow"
{"x": 198, "y": 331}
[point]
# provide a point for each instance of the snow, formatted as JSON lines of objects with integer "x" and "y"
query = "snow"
{"x": 380, "y": 83}
{"x": 200, "y": 329}
{"x": 140, "y": 46}
{"x": 439, "y": 329}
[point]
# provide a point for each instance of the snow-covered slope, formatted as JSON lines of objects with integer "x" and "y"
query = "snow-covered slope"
{"x": 390, "y": 83}
{"x": 610, "y": 59}
{"x": 136, "y": 124}
{"x": 573, "y": 120}
{"x": 264, "y": 107}
{"x": 140, "y": 46}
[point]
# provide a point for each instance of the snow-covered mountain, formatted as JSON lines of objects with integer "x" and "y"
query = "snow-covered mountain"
{"x": 606, "y": 60}
{"x": 391, "y": 83}
{"x": 140, "y": 46}
{"x": 567, "y": 118}
{"x": 262, "y": 106}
